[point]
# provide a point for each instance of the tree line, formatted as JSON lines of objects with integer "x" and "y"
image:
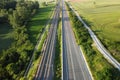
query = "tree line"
{"x": 13, "y": 61}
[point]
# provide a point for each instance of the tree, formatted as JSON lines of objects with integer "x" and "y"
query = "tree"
{"x": 4, "y": 74}
{"x": 13, "y": 18}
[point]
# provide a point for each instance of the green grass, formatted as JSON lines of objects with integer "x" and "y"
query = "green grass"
{"x": 103, "y": 16}
{"x": 41, "y": 1}
{"x": 101, "y": 69}
{"x": 99, "y": 66}
{"x": 38, "y": 22}
{"x": 57, "y": 60}
{"x": 6, "y": 36}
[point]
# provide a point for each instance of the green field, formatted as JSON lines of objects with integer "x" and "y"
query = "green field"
{"x": 42, "y": 1}
{"x": 101, "y": 69}
{"x": 6, "y": 36}
{"x": 35, "y": 28}
{"x": 38, "y": 22}
{"x": 103, "y": 16}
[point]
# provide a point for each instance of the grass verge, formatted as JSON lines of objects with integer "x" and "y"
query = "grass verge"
{"x": 100, "y": 68}
{"x": 57, "y": 60}
{"x": 37, "y": 24}
{"x": 37, "y": 58}
{"x": 39, "y": 28}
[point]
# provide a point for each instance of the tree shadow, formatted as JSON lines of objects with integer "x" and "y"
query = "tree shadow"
{"x": 89, "y": 23}
{"x": 97, "y": 31}
{"x": 38, "y": 22}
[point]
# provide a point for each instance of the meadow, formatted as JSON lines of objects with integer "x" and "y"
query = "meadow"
{"x": 6, "y": 36}
{"x": 35, "y": 29}
{"x": 101, "y": 69}
{"x": 103, "y": 16}
{"x": 42, "y": 1}
{"x": 37, "y": 24}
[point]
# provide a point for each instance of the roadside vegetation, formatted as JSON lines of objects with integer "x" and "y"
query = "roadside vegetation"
{"x": 14, "y": 59}
{"x": 22, "y": 23}
{"x": 104, "y": 19}
{"x": 39, "y": 21}
{"x": 57, "y": 60}
{"x": 38, "y": 29}
{"x": 99, "y": 66}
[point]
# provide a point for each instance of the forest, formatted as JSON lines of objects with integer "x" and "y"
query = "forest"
{"x": 14, "y": 60}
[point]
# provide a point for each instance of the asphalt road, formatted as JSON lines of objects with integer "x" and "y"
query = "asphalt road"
{"x": 99, "y": 45}
{"x": 45, "y": 70}
{"x": 74, "y": 66}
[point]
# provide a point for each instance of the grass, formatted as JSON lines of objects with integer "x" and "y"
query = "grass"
{"x": 38, "y": 22}
{"x": 57, "y": 60}
{"x": 41, "y": 1}
{"x": 103, "y": 16}
{"x": 101, "y": 69}
{"x": 6, "y": 36}
{"x": 104, "y": 19}
{"x": 99, "y": 66}
{"x": 37, "y": 58}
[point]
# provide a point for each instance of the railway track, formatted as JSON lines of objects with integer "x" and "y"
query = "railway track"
{"x": 45, "y": 70}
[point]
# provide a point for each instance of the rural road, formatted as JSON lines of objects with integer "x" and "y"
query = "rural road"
{"x": 99, "y": 45}
{"x": 45, "y": 70}
{"x": 74, "y": 66}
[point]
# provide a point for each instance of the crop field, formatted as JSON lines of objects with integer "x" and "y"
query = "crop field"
{"x": 103, "y": 16}
{"x": 6, "y": 36}
{"x": 101, "y": 69}
{"x": 37, "y": 23}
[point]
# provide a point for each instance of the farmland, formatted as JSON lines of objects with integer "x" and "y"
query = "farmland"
{"x": 100, "y": 68}
{"x": 104, "y": 19}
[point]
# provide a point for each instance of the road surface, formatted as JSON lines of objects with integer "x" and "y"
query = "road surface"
{"x": 74, "y": 66}
{"x": 99, "y": 45}
{"x": 45, "y": 70}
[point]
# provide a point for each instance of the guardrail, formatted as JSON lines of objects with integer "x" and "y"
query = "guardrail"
{"x": 99, "y": 45}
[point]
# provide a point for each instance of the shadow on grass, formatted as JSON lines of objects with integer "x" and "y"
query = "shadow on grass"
{"x": 38, "y": 21}
{"x": 89, "y": 23}
{"x": 37, "y": 27}
{"x": 6, "y": 36}
{"x": 109, "y": 5}
{"x": 45, "y": 9}
{"x": 97, "y": 31}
